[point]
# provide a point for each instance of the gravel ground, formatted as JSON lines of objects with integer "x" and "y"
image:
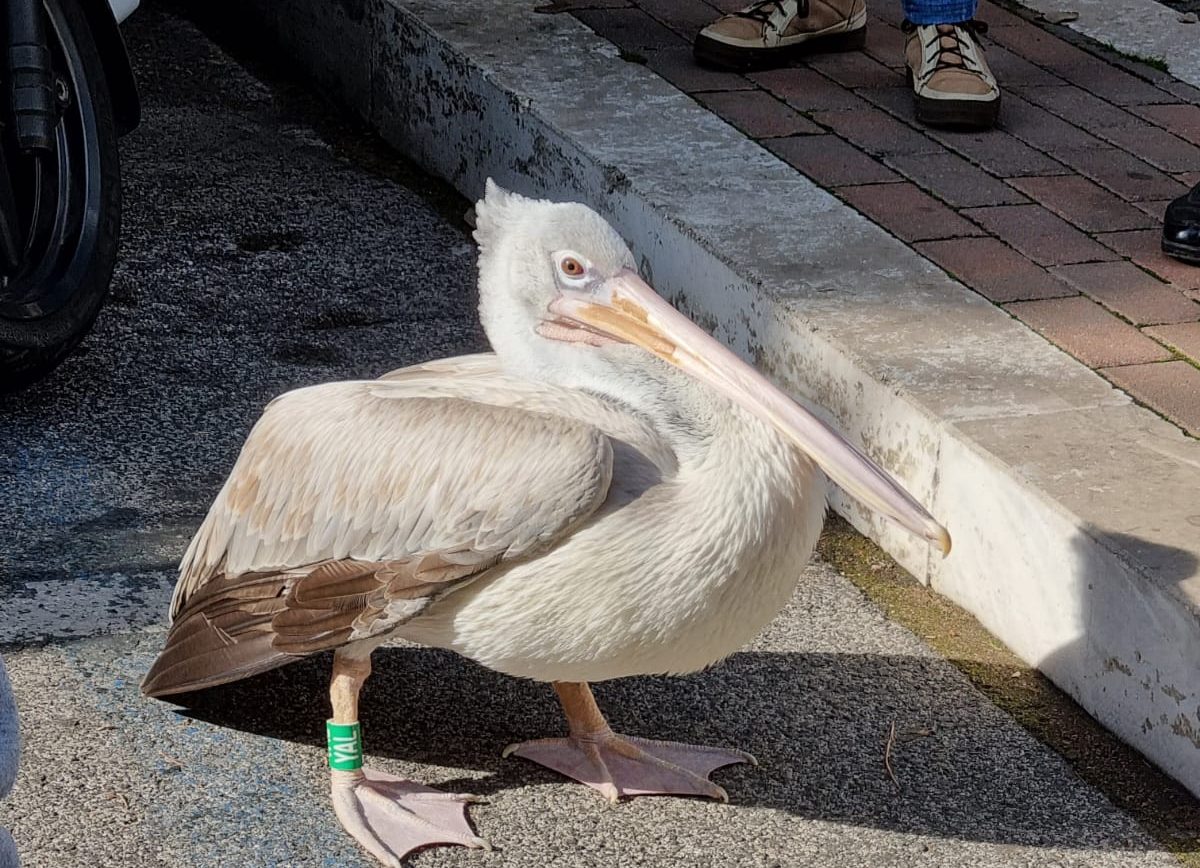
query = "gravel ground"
{"x": 267, "y": 245}
{"x": 110, "y": 778}
{"x": 270, "y": 244}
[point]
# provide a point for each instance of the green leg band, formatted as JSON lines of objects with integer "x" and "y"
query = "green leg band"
{"x": 345, "y": 746}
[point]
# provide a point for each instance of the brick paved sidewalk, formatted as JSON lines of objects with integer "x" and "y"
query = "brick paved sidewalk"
{"x": 1055, "y": 216}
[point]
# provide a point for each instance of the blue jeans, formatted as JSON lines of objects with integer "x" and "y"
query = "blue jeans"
{"x": 939, "y": 11}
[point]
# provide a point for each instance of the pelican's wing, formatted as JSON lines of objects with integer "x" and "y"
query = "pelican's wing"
{"x": 354, "y": 505}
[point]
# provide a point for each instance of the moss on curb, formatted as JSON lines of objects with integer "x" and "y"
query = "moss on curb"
{"x": 1166, "y": 810}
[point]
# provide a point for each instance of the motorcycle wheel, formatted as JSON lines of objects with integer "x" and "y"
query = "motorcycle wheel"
{"x": 69, "y": 202}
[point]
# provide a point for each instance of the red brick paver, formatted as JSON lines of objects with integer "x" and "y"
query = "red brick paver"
{"x": 1185, "y": 92}
{"x": 896, "y": 101}
{"x": 1123, "y": 173}
{"x": 855, "y": 69}
{"x": 1171, "y": 388}
{"x": 678, "y": 66}
{"x": 877, "y": 132}
{"x": 1056, "y": 215}
{"x": 1157, "y": 147}
{"x": 631, "y": 29}
{"x": 996, "y": 16}
{"x": 1089, "y": 332}
{"x": 954, "y": 180}
{"x": 806, "y": 90}
{"x": 1122, "y": 287}
{"x": 1182, "y": 120}
{"x": 907, "y": 212}
{"x": 885, "y": 43}
{"x": 1015, "y": 71}
{"x": 685, "y": 17}
{"x": 1083, "y": 203}
{"x": 1042, "y": 130}
{"x": 1155, "y": 208}
{"x": 830, "y": 161}
{"x": 1108, "y": 82}
{"x": 1183, "y": 337}
{"x": 1040, "y": 47}
{"x": 997, "y": 152}
{"x": 1040, "y": 235}
{"x": 1144, "y": 248}
{"x": 761, "y": 116}
{"x": 1076, "y": 105}
{"x": 994, "y": 269}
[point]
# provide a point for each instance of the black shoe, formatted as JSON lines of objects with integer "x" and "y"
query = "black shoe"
{"x": 1181, "y": 228}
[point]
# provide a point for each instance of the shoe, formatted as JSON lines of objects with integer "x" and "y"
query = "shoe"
{"x": 1181, "y": 227}
{"x": 772, "y": 32}
{"x": 950, "y": 79}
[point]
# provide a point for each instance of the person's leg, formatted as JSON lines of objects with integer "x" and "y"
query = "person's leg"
{"x": 773, "y": 32}
{"x": 952, "y": 85}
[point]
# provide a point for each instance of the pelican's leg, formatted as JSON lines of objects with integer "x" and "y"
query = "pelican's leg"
{"x": 622, "y": 765}
{"x": 388, "y": 815}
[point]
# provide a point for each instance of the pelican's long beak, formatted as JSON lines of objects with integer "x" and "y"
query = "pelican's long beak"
{"x": 627, "y": 309}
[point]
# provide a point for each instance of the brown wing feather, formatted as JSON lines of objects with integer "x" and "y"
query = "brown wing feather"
{"x": 224, "y": 634}
{"x": 353, "y": 506}
{"x": 235, "y": 628}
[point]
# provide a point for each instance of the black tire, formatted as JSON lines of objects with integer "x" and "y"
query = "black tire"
{"x": 48, "y": 307}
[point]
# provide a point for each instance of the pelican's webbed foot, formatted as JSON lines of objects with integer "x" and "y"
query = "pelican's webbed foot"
{"x": 388, "y": 815}
{"x": 620, "y": 765}
{"x": 391, "y": 817}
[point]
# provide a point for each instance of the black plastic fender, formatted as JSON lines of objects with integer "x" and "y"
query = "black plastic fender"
{"x": 127, "y": 107}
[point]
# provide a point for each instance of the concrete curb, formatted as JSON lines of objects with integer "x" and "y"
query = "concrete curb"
{"x": 1142, "y": 28}
{"x": 1068, "y": 504}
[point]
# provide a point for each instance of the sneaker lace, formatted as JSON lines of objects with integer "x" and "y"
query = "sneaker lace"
{"x": 949, "y": 40}
{"x": 763, "y": 10}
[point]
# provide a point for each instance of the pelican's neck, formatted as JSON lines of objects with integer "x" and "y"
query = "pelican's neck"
{"x": 698, "y": 423}
{"x": 705, "y": 429}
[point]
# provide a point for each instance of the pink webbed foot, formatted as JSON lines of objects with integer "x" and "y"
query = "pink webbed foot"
{"x": 391, "y": 817}
{"x": 620, "y": 765}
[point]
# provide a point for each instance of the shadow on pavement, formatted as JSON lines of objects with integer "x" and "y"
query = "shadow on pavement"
{"x": 818, "y": 724}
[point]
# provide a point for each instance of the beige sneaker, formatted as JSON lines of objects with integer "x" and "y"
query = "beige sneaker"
{"x": 772, "y": 32}
{"x": 950, "y": 79}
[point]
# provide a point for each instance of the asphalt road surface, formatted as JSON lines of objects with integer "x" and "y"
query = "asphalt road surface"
{"x": 270, "y": 244}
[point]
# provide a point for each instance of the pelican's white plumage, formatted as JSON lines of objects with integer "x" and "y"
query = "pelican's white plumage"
{"x": 458, "y": 461}
{"x": 611, "y": 493}
{"x": 683, "y": 563}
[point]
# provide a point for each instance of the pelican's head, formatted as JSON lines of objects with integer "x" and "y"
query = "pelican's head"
{"x": 531, "y": 253}
{"x": 558, "y": 295}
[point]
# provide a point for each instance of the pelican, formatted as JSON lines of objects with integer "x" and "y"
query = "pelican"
{"x": 611, "y": 492}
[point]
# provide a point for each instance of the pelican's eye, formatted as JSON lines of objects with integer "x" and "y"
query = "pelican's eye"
{"x": 572, "y": 268}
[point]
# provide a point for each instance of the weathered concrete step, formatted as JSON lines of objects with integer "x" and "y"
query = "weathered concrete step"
{"x": 1074, "y": 512}
{"x": 1140, "y": 28}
